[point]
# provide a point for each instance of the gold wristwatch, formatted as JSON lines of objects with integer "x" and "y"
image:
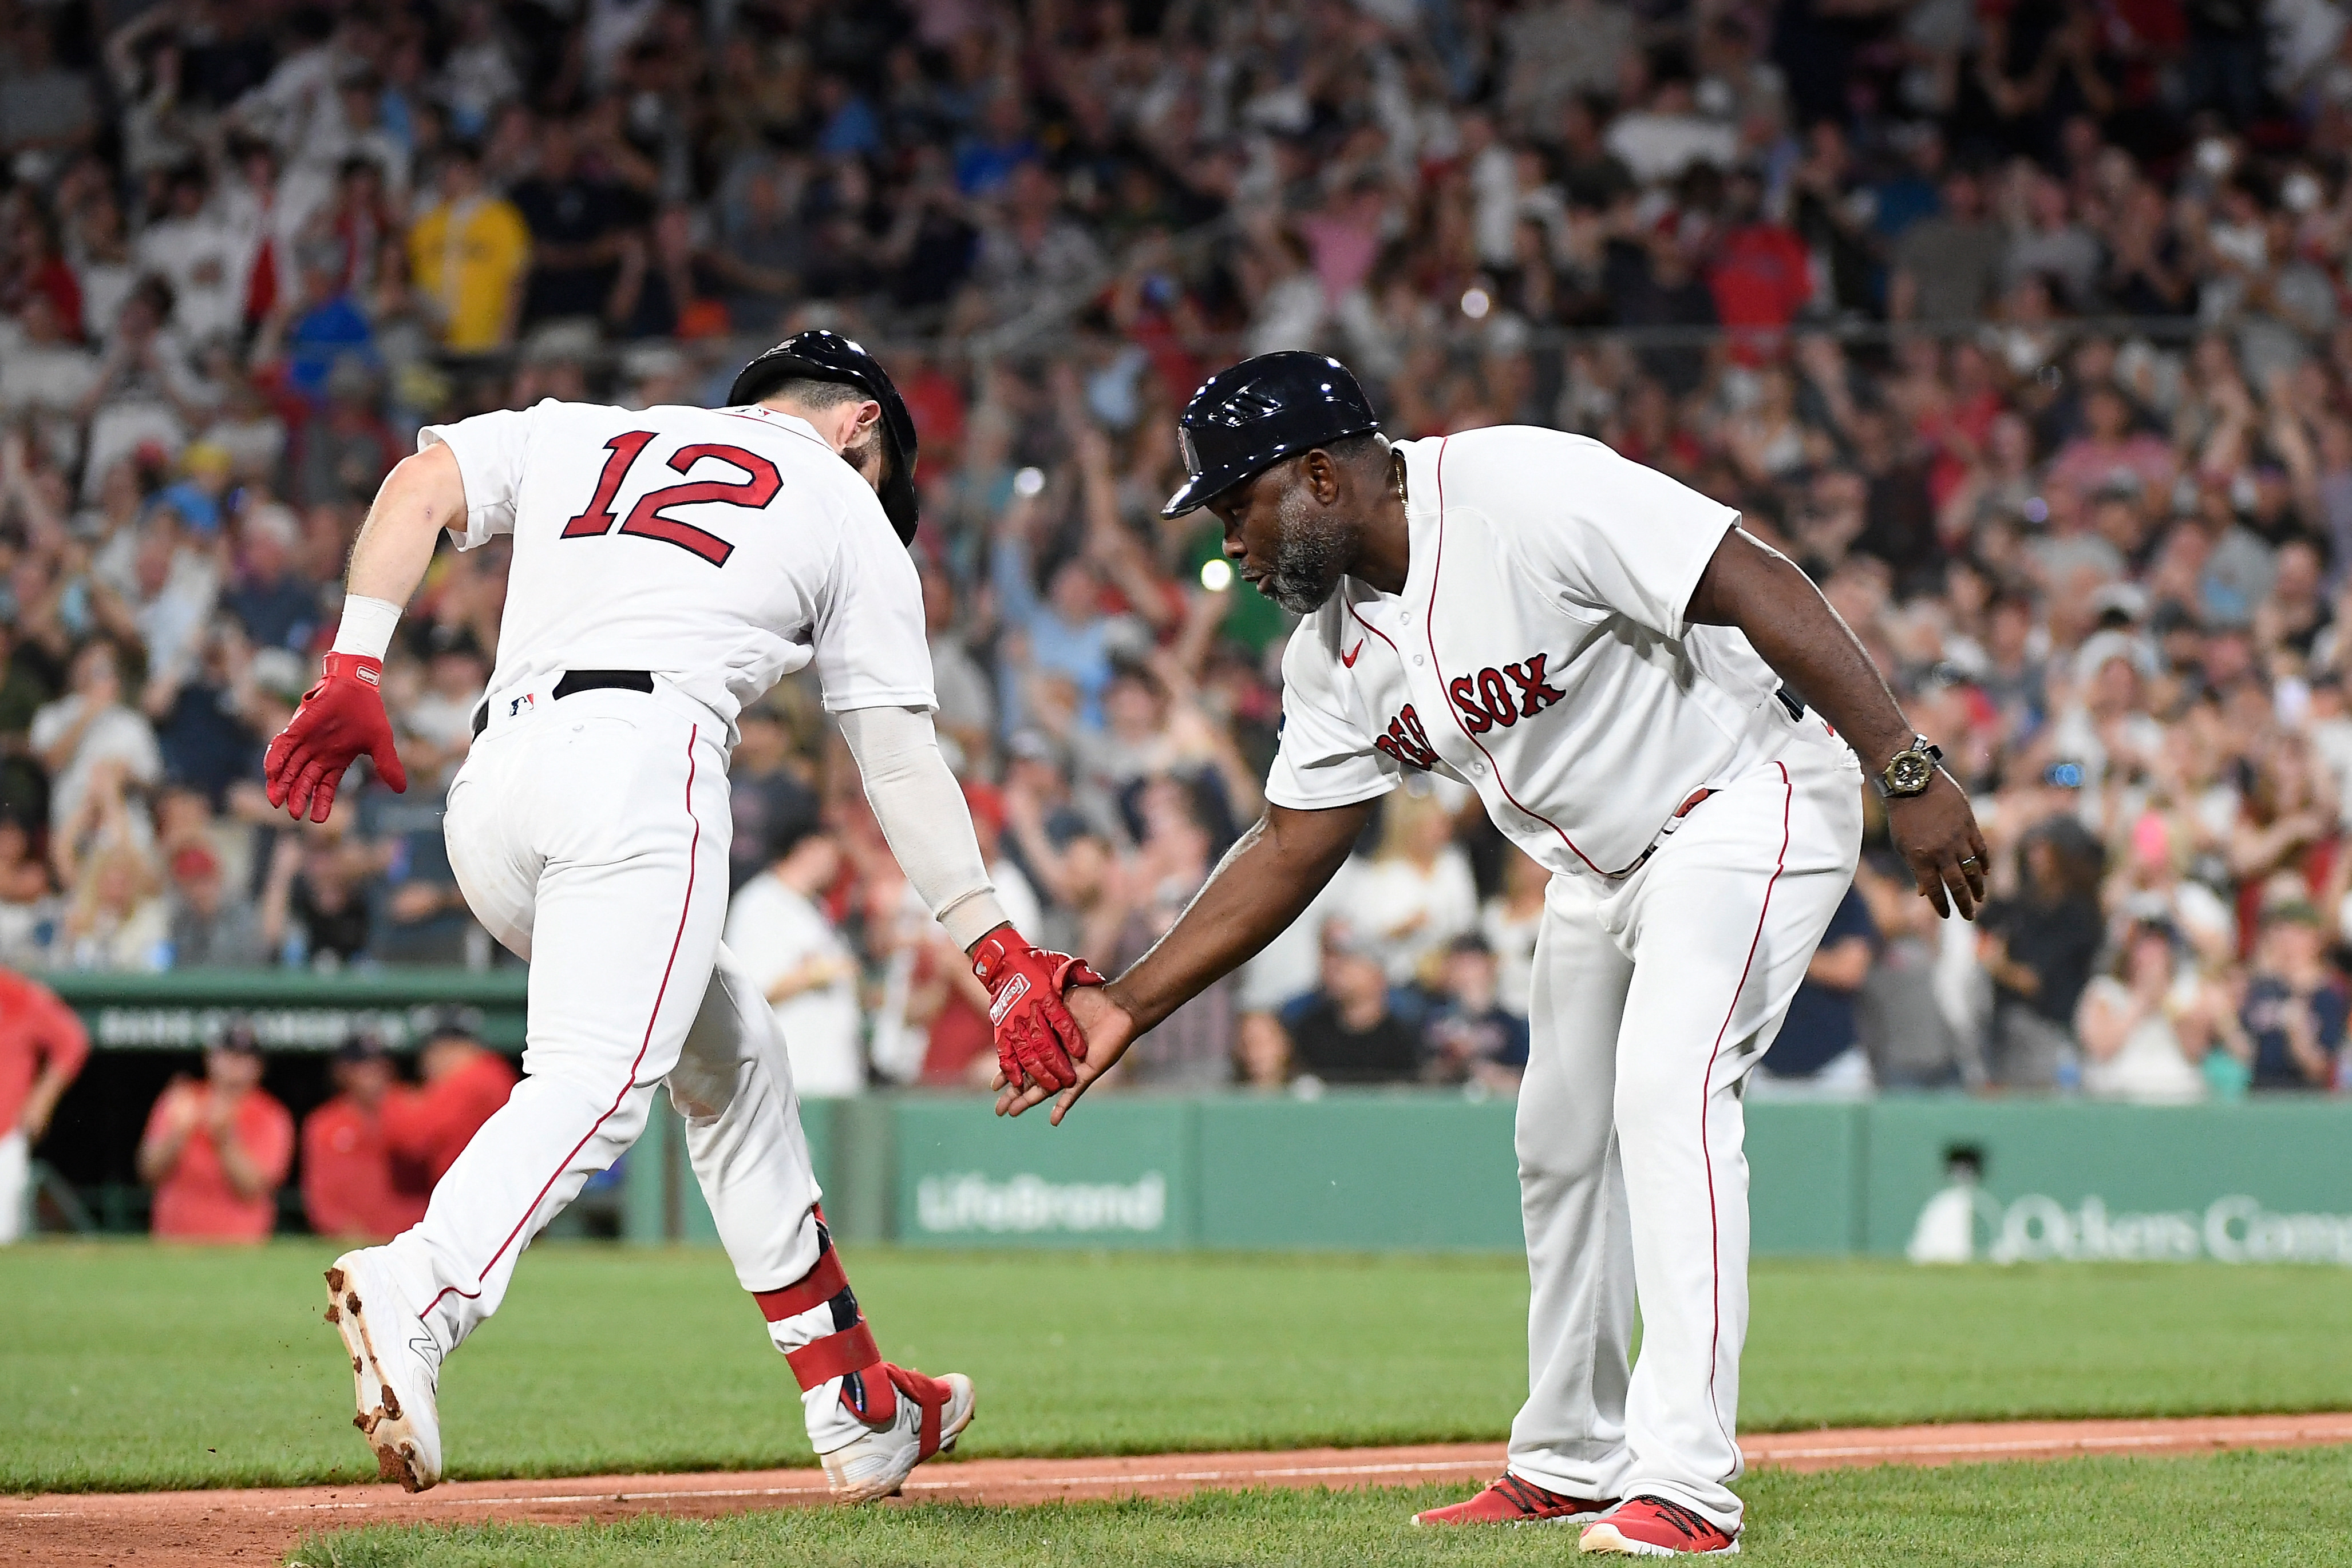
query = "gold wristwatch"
{"x": 1910, "y": 770}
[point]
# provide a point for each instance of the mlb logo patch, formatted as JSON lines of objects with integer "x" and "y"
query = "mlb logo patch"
{"x": 521, "y": 705}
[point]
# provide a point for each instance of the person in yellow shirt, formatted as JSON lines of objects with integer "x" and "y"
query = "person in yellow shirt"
{"x": 470, "y": 255}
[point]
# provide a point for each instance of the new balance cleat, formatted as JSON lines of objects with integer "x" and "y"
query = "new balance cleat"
{"x": 908, "y": 1417}
{"x": 395, "y": 1366}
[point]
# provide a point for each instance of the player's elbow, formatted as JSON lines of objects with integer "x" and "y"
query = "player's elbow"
{"x": 424, "y": 491}
{"x": 1314, "y": 843}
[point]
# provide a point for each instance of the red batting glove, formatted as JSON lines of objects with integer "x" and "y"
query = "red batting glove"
{"x": 340, "y": 718}
{"x": 1035, "y": 1035}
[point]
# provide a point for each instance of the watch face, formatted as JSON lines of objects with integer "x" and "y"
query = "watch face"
{"x": 1910, "y": 772}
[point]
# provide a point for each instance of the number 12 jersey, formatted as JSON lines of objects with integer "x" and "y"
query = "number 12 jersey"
{"x": 719, "y": 548}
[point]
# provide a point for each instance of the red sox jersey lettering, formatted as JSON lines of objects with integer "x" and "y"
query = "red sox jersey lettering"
{"x": 1489, "y": 698}
{"x": 1406, "y": 740}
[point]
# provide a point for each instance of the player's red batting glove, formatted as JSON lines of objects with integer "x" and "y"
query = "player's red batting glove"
{"x": 1036, "y": 1036}
{"x": 340, "y": 718}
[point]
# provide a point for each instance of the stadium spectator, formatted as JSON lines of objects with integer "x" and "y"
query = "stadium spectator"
{"x": 1819, "y": 1049}
{"x": 1346, "y": 1031}
{"x": 1469, "y": 1037}
{"x": 470, "y": 255}
{"x": 2290, "y": 1030}
{"x": 42, "y": 1048}
{"x": 216, "y": 1151}
{"x": 769, "y": 792}
{"x": 1914, "y": 1037}
{"x": 209, "y": 924}
{"x": 1193, "y": 1047}
{"x": 81, "y": 733}
{"x": 778, "y": 929}
{"x": 462, "y": 1083}
{"x": 2039, "y": 947}
{"x": 1415, "y": 894}
{"x": 28, "y": 904}
{"x": 348, "y": 1186}
{"x": 2146, "y": 1023}
{"x": 314, "y": 905}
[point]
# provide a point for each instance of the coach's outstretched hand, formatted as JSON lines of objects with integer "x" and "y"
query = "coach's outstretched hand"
{"x": 1937, "y": 834}
{"x": 1110, "y": 1030}
{"x": 341, "y": 718}
{"x": 1036, "y": 1037}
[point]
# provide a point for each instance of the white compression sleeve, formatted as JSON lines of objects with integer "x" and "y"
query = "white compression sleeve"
{"x": 922, "y": 812}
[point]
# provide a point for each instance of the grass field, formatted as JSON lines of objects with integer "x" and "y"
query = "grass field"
{"x": 128, "y": 1366}
{"x": 2246, "y": 1510}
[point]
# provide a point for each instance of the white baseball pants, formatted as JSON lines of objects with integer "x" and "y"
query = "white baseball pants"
{"x": 589, "y": 836}
{"x": 1652, "y": 997}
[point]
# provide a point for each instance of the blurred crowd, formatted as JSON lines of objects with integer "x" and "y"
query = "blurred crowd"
{"x": 2019, "y": 323}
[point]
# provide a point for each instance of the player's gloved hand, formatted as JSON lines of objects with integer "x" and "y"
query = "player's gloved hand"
{"x": 340, "y": 718}
{"x": 1036, "y": 1036}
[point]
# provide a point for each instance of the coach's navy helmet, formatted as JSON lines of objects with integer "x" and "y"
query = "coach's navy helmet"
{"x": 824, "y": 356}
{"x": 1246, "y": 419}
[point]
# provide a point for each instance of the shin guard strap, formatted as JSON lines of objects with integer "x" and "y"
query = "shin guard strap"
{"x": 812, "y": 1290}
{"x": 930, "y": 1395}
{"x": 835, "y": 1356}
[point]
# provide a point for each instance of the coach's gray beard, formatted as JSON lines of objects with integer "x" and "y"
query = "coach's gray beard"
{"x": 1311, "y": 558}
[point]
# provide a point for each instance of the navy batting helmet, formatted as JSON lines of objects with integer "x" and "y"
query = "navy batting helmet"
{"x": 1246, "y": 419}
{"x": 823, "y": 355}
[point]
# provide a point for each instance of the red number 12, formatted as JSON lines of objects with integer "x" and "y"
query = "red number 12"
{"x": 650, "y": 520}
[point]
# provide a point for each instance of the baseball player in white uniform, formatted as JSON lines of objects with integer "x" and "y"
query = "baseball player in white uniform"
{"x": 669, "y": 565}
{"x": 1600, "y": 653}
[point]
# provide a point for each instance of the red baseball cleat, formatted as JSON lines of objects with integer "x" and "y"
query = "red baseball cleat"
{"x": 1513, "y": 1500}
{"x": 1654, "y": 1527}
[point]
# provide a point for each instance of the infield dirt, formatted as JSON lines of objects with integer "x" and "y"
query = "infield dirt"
{"x": 243, "y": 1528}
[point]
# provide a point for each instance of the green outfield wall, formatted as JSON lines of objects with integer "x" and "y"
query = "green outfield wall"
{"x": 2262, "y": 1180}
{"x": 1421, "y": 1170}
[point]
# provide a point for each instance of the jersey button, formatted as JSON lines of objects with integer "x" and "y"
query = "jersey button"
{"x": 1479, "y": 769}
{"x": 1419, "y": 660}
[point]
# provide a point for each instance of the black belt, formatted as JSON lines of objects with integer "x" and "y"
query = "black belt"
{"x": 1788, "y": 700}
{"x": 577, "y": 680}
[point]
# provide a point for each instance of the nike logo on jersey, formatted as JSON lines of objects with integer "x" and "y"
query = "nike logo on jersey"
{"x": 1499, "y": 698}
{"x": 1348, "y": 658}
{"x": 1407, "y": 741}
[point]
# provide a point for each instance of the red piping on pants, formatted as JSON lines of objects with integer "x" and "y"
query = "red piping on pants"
{"x": 1705, "y": 1092}
{"x": 643, "y": 1045}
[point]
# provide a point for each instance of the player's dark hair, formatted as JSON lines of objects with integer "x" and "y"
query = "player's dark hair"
{"x": 812, "y": 393}
{"x": 816, "y": 396}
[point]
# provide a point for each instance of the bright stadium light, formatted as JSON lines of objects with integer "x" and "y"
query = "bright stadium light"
{"x": 1476, "y": 304}
{"x": 1216, "y": 574}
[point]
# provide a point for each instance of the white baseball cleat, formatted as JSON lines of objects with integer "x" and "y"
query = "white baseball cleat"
{"x": 925, "y": 1416}
{"x": 395, "y": 1366}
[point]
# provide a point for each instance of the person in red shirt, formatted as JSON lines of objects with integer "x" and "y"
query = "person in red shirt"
{"x": 349, "y": 1188}
{"x": 1762, "y": 274}
{"x": 217, "y": 1151}
{"x": 465, "y": 1083}
{"x": 42, "y": 1048}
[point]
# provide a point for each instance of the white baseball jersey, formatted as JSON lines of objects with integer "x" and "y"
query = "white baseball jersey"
{"x": 719, "y": 548}
{"x": 1537, "y": 653}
